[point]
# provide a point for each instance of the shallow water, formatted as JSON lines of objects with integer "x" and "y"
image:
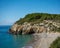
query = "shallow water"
{"x": 12, "y": 41}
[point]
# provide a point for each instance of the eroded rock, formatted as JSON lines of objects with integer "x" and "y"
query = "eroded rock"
{"x": 27, "y": 28}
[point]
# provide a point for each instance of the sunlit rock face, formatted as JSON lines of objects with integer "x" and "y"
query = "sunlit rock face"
{"x": 27, "y": 28}
{"x": 13, "y": 28}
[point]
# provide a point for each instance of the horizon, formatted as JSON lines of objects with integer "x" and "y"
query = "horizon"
{"x": 13, "y": 10}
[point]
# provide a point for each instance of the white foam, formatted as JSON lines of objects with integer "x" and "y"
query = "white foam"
{"x": 27, "y": 47}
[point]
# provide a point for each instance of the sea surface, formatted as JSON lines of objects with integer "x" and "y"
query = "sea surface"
{"x": 12, "y": 41}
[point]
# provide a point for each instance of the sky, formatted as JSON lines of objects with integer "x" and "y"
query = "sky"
{"x": 13, "y": 10}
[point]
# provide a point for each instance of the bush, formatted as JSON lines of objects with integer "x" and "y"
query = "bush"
{"x": 34, "y": 17}
{"x": 56, "y": 43}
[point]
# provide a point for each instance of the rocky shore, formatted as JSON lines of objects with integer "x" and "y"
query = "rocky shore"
{"x": 43, "y": 33}
{"x": 44, "y": 27}
{"x": 28, "y": 28}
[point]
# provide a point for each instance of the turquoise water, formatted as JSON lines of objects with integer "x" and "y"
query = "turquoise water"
{"x": 12, "y": 41}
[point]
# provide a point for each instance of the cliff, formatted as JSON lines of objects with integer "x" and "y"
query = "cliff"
{"x": 37, "y": 23}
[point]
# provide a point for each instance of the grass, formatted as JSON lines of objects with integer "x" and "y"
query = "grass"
{"x": 38, "y": 17}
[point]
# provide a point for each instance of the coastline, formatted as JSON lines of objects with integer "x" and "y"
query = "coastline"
{"x": 45, "y": 28}
{"x": 42, "y": 41}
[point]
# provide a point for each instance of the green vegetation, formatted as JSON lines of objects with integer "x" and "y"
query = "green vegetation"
{"x": 56, "y": 43}
{"x": 38, "y": 17}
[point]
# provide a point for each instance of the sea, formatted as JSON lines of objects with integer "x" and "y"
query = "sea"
{"x": 8, "y": 40}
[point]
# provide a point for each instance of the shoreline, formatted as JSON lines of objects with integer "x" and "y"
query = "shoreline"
{"x": 42, "y": 41}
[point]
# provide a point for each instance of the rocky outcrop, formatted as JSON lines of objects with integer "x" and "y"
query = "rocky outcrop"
{"x": 28, "y": 28}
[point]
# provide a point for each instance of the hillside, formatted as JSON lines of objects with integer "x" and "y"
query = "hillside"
{"x": 37, "y": 23}
{"x": 38, "y": 17}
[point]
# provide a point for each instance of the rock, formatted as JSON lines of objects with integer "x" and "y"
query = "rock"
{"x": 27, "y": 28}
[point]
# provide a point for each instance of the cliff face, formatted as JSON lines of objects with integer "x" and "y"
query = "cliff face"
{"x": 37, "y": 23}
{"x": 28, "y": 28}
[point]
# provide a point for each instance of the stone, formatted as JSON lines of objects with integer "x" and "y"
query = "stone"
{"x": 27, "y": 28}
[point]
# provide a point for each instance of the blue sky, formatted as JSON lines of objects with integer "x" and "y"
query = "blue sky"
{"x": 13, "y": 10}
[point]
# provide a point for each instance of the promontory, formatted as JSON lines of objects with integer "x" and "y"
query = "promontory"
{"x": 43, "y": 26}
{"x": 36, "y": 23}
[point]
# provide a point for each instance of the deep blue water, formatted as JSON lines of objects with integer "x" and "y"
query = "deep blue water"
{"x": 12, "y": 41}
